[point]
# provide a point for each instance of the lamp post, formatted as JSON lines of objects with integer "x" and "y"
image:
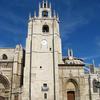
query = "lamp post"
{"x": 98, "y": 83}
{"x": 89, "y": 81}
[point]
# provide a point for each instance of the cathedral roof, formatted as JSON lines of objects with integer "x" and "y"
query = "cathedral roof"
{"x": 71, "y": 60}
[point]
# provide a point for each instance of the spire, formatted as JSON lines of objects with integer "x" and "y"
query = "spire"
{"x": 34, "y": 14}
{"x": 46, "y": 3}
{"x": 43, "y": 3}
{"x": 93, "y": 62}
{"x": 50, "y": 5}
{"x": 54, "y": 13}
{"x": 70, "y": 53}
{"x": 39, "y": 5}
{"x": 29, "y": 16}
{"x": 57, "y": 17}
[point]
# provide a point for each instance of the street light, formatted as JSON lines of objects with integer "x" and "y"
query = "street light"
{"x": 97, "y": 83}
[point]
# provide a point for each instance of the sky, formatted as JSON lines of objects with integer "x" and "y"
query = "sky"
{"x": 79, "y": 25}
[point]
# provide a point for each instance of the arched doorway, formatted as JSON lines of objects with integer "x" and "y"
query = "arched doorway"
{"x": 71, "y": 95}
{"x": 72, "y": 90}
{"x": 4, "y": 87}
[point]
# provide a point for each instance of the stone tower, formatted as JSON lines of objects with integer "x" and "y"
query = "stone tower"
{"x": 43, "y": 53}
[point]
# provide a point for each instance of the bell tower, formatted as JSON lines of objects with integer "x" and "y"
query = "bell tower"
{"x": 45, "y": 10}
{"x": 43, "y": 54}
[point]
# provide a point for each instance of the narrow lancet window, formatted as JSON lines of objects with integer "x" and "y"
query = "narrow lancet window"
{"x": 45, "y": 28}
{"x": 45, "y": 95}
{"x": 45, "y": 13}
{"x": 95, "y": 89}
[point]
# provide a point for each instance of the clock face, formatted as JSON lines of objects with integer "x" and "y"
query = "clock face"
{"x": 44, "y": 42}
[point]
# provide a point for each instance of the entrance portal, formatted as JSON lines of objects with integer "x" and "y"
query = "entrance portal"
{"x": 70, "y": 95}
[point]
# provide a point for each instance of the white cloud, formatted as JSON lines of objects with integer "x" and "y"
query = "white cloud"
{"x": 91, "y": 57}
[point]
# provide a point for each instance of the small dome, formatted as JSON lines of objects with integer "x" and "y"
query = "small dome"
{"x": 70, "y": 60}
{"x": 73, "y": 61}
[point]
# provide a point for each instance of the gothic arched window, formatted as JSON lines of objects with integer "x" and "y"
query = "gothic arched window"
{"x": 95, "y": 89}
{"x": 45, "y": 13}
{"x": 4, "y": 57}
{"x": 45, "y": 28}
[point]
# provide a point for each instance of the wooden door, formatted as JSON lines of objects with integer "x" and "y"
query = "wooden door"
{"x": 2, "y": 98}
{"x": 71, "y": 95}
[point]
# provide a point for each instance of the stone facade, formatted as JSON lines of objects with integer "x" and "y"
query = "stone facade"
{"x": 73, "y": 80}
{"x": 45, "y": 75}
{"x": 11, "y": 69}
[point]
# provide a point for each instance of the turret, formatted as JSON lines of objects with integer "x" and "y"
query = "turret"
{"x": 29, "y": 16}
{"x": 45, "y": 10}
{"x": 70, "y": 53}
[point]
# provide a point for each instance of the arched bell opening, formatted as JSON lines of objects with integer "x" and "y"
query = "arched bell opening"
{"x": 45, "y": 29}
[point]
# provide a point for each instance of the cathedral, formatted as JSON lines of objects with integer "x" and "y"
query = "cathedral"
{"x": 39, "y": 72}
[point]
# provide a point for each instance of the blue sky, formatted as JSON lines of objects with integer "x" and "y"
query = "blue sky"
{"x": 79, "y": 25}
